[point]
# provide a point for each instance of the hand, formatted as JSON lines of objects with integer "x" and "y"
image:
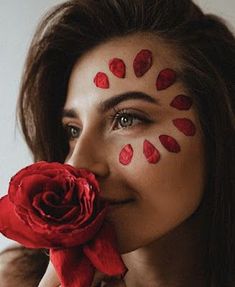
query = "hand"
{"x": 50, "y": 279}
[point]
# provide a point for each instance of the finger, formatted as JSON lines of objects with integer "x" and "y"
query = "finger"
{"x": 113, "y": 282}
{"x": 50, "y": 278}
{"x": 98, "y": 278}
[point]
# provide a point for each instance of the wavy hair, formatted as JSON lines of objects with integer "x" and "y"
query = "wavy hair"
{"x": 207, "y": 50}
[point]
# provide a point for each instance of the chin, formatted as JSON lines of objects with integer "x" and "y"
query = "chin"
{"x": 127, "y": 245}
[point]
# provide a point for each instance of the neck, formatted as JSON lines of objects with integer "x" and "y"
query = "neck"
{"x": 175, "y": 260}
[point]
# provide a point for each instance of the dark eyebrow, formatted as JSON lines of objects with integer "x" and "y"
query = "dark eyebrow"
{"x": 69, "y": 113}
{"x": 114, "y": 101}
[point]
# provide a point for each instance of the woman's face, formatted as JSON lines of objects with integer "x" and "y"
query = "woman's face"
{"x": 131, "y": 121}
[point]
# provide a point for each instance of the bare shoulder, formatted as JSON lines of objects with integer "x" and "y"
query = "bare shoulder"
{"x": 20, "y": 266}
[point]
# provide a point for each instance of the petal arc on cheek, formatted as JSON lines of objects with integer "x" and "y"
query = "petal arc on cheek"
{"x": 186, "y": 126}
{"x": 165, "y": 79}
{"x": 142, "y": 62}
{"x": 117, "y": 67}
{"x": 169, "y": 143}
{"x": 126, "y": 154}
{"x": 101, "y": 80}
{"x": 182, "y": 102}
{"x": 151, "y": 153}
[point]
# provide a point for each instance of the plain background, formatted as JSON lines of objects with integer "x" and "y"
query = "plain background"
{"x": 18, "y": 19}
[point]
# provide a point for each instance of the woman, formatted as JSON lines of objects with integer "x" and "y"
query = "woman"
{"x": 141, "y": 92}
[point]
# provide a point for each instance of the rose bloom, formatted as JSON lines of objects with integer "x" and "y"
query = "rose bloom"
{"x": 54, "y": 200}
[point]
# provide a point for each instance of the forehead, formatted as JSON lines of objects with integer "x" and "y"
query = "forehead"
{"x": 125, "y": 48}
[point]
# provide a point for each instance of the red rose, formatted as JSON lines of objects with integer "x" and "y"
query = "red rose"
{"x": 55, "y": 206}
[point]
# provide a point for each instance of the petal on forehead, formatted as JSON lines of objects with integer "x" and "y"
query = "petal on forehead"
{"x": 165, "y": 79}
{"x": 117, "y": 67}
{"x": 142, "y": 62}
{"x": 101, "y": 80}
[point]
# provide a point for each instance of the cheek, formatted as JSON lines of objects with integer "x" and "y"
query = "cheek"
{"x": 163, "y": 166}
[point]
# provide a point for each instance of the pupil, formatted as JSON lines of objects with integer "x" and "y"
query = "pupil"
{"x": 74, "y": 132}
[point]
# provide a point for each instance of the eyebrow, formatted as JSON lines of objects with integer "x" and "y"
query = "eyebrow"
{"x": 114, "y": 101}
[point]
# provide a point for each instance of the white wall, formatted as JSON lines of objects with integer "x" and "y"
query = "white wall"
{"x": 17, "y": 22}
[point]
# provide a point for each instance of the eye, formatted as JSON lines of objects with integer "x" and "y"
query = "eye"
{"x": 126, "y": 119}
{"x": 72, "y": 132}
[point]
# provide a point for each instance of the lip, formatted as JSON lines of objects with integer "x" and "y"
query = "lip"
{"x": 118, "y": 201}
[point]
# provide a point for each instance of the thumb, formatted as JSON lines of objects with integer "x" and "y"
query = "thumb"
{"x": 114, "y": 283}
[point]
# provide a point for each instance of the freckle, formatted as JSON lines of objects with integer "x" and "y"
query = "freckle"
{"x": 101, "y": 80}
{"x": 186, "y": 126}
{"x": 169, "y": 143}
{"x": 151, "y": 153}
{"x": 165, "y": 79}
{"x": 182, "y": 102}
{"x": 117, "y": 67}
{"x": 142, "y": 62}
{"x": 126, "y": 155}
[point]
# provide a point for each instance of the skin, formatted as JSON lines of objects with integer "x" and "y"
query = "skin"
{"x": 161, "y": 237}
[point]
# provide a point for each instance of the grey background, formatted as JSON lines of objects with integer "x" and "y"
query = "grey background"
{"x": 18, "y": 19}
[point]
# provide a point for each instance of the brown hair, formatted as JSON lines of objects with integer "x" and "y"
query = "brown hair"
{"x": 207, "y": 51}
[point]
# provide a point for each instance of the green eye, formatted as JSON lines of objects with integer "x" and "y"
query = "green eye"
{"x": 126, "y": 120}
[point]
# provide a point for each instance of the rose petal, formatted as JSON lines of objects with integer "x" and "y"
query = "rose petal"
{"x": 73, "y": 268}
{"x": 68, "y": 235}
{"x": 101, "y": 80}
{"x": 170, "y": 143}
{"x": 62, "y": 213}
{"x": 102, "y": 252}
{"x": 12, "y": 227}
{"x": 27, "y": 189}
{"x": 165, "y": 79}
{"x": 117, "y": 67}
{"x": 142, "y": 62}
{"x": 151, "y": 152}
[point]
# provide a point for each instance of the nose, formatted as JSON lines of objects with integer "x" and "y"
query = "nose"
{"x": 89, "y": 153}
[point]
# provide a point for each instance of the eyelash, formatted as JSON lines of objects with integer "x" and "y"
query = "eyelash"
{"x": 115, "y": 119}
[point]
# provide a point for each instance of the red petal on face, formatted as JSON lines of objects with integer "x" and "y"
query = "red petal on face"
{"x": 142, "y": 62}
{"x": 151, "y": 153}
{"x": 186, "y": 126}
{"x": 117, "y": 67}
{"x": 165, "y": 79}
{"x": 72, "y": 267}
{"x": 101, "y": 80}
{"x": 182, "y": 102}
{"x": 102, "y": 252}
{"x": 13, "y": 228}
{"x": 126, "y": 155}
{"x": 169, "y": 143}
